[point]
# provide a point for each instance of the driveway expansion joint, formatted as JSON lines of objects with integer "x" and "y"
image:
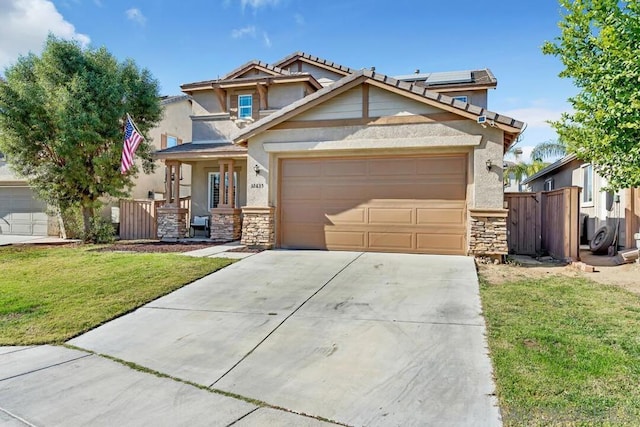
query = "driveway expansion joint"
{"x": 287, "y": 318}
{"x": 16, "y": 417}
{"x": 45, "y": 367}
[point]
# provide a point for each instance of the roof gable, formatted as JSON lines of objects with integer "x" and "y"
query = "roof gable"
{"x": 314, "y": 60}
{"x": 261, "y": 67}
{"x": 510, "y": 126}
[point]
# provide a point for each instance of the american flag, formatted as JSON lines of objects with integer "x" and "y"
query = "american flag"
{"x": 132, "y": 139}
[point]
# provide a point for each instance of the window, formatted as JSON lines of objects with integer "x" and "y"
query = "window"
{"x": 245, "y": 110}
{"x": 587, "y": 184}
{"x": 172, "y": 141}
{"x": 461, "y": 98}
{"x": 548, "y": 184}
{"x": 214, "y": 189}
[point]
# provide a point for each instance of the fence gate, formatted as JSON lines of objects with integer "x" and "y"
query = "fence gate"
{"x": 138, "y": 217}
{"x": 547, "y": 221}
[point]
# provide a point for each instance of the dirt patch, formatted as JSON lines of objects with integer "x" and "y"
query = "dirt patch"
{"x": 244, "y": 249}
{"x": 155, "y": 246}
{"x": 625, "y": 276}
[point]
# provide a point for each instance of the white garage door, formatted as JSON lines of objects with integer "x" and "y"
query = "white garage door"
{"x": 21, "y": 213}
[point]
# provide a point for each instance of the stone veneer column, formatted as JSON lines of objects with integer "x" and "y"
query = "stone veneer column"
{"x": 172, "y": 223}
{"x": 226, "y": 224}
{"x": 258, "y": 227}
{"x": 488, "y": 233}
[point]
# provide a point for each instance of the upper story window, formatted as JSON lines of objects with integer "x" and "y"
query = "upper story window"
{"x": 587, "y": 184}
{"x": 172, "y": 141}
{"x": 245, "y": 106}
{"x": 462, "y": 98}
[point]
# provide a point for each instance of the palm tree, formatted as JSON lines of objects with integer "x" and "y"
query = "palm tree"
{"x": 548, "y": 149}
{"x": 541, "y": 151}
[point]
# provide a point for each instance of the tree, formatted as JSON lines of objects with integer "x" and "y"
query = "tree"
{"x": 61, "y": 123}
{"x": 599, "y": 48}
{"x": 540, "y": 153}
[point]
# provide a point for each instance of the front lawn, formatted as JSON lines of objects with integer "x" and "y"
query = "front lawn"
{"x": 48, "y": 295}
{"x": 566, "y": 351}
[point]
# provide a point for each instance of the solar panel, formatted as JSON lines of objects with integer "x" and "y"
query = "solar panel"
{"x": 449, "y": 77}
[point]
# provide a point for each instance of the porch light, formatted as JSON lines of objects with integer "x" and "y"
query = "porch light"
{"x": 256, "y": 169}
{"x": 489, "y": 164}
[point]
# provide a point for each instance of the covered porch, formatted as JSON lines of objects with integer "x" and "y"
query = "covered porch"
{"x": 218, "y": 189}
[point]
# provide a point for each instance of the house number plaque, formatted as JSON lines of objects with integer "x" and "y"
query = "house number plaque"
{"x": 257, "y": 185}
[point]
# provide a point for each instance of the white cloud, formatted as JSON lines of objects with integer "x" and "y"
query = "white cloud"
{"x": 534, "y": 117}
{"x": 299, "y": 19}
{"x": 248, "y": 31}
{"x": 134, "y": 14}
{"x": 25, "y": 24}
{"x": 257, "y": 4}
{"x": 267, "y": 40}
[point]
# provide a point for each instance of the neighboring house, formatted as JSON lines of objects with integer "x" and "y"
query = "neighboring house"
{"x": 597, "y": 207}
{"x": 305, "y": 153}
{"x": 20, "y": 211}
{"x": 171, "y": 131}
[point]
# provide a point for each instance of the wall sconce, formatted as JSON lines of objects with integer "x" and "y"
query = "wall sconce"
{"x": 489, "y": 164}
{"x": 256, "y": 169}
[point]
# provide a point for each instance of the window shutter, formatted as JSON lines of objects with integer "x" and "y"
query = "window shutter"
{"x": 255, "y": 106}
{"x": 163, "y": 141}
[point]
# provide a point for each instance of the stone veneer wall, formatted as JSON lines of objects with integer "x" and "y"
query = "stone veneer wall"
{"x": 258, "y": 227}
{"x": 226, "y": 225}
{"x": 488, "y": 234}
{"x": 172, "y": 223}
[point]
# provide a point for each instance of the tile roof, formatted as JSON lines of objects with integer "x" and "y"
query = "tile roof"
{"x": 456, "y": 106}
{"x": 295, "y": 55}
{"x": 200, "y": 147}
{"x": 170, "y": 99}
{"x": 278, "y": 72}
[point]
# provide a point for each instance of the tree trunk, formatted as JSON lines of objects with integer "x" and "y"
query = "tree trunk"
{"x": 87, "y": 214}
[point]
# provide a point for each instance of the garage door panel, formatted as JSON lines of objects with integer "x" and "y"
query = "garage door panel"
{"x": 344, "y": 168}
{"x": 427, "y": 216}
{"x": 442, "y": 243}
{"x": 290, "y": 170}
{"x": 391, "y": 216}
{"x": 342, "y": 216}
{"x": 336, "y": 239}
{"x": 397, "y": 206}
{"x": 303, "y": 236}
{"x": 391, "y": 241}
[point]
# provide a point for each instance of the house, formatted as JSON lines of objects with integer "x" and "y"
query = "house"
{"x": 21, "y": 212}
{"x": 597, "y": 207}
{"x": 306, "y": 153}
{"x": 172, "y": 130}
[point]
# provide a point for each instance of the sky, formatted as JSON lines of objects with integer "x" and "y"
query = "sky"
{"x": 192, "y": 40}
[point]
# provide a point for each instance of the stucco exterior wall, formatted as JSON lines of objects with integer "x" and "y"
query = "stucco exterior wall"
{"x": 176, "y": 122}
{"x": 282, "y": 95}
{"x": 475, "y": 97}
{"x": 205, "y": 102}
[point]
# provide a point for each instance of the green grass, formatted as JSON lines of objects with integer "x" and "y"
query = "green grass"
{"x": 566, "y": 351}
{"x": 48, "y": 295}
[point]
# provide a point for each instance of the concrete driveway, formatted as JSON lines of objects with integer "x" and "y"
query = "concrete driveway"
{"x": 10, "y": 239}
{"x": 355, "y": 338}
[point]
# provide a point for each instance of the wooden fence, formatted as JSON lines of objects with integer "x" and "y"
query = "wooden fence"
{"x": 545, "y": 222}
{"x": 138, "y": 218}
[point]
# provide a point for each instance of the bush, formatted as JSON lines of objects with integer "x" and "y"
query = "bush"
{"x": 101, "y": 231}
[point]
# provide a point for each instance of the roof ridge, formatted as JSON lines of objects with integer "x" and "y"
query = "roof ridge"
{"x": 419, "y": 90}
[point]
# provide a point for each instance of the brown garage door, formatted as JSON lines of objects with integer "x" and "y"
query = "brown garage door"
{"x": 407, "y": 204}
